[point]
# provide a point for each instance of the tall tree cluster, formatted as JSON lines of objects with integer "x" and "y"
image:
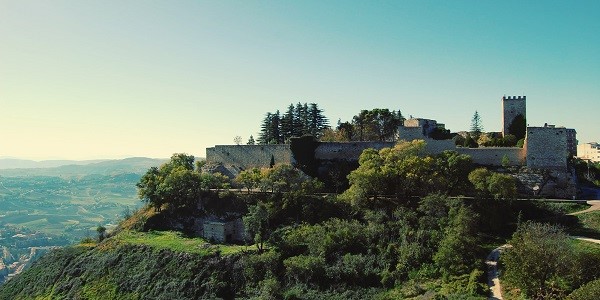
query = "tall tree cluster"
{"x": 298, "y": 120}
{"x": 369, "y": 125}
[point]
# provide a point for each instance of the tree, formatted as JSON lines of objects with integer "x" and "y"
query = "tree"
{"x": 458, "y": 250}
{"x": 470, "y": 142}
{"x": 250, "y": 179}
{"x": 499, "y": 186}
{"x": 518, "y": 127}
{"x": 148, "y": 188}
{"x": 181, "y": 187}
{"x": 539, "y": 260}
{"x": 101, "y": 230}
{"x": 298, "y": 120}
{"x": 404, "y": 171}
{"x": 175, "y": 182}
{"x": 256, "y": 223}
{"x": 476, "y": 125}
{"x": 317, "y": 122}
{"x": 269, "y": 133}
{"x": 251, "y": 140}
{"x": 376, "y": 124}
{"x": 237, "y": 140}
{"x": 346, "y": 129}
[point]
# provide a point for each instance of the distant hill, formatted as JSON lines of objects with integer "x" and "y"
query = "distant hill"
{"x": 137, "y": 165}
{"x": 15, "y": 163}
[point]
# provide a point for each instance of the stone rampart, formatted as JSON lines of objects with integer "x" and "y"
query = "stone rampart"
{"x": 493, "y": 156}
{"x": 248, "y": 156}
{"x": 347, "y": 150}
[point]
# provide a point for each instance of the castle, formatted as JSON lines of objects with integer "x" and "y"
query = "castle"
{"x": 545, "y": 150}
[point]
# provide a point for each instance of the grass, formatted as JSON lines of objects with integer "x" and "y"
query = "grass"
{"x": 174, "y": 241}
{"x": 590, "y": 220}
{"x": 566, "y": 208}
{"x": 585, "y": 246}
{"x": 589, "y": 225}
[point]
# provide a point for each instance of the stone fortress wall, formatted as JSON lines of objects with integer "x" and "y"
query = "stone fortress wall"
{"x": 511, "y": 108}
{"x": 347, "y": 150}
{"x": 241, "y": 157}
{"x": 545, "y": 147}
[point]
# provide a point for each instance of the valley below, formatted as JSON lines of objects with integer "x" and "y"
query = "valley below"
{"x": 57, "y": 208}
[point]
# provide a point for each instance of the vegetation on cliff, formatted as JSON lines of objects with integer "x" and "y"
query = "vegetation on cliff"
{"x": 396, "y": 233}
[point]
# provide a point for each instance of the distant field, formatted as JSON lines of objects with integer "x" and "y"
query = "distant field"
{"x": 71, "y": 207}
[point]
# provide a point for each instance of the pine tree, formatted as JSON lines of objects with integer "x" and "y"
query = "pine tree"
{"x": 317, "y": 122}
{"x": 287, "y": 124}
{"x": 476, "y": 126}
{"x": 251, "y": 140}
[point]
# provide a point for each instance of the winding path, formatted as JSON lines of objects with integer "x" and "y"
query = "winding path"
{"x": 492, "y": 259}
{"x": 595, "y": 205}
{"x": 493, "y": 282}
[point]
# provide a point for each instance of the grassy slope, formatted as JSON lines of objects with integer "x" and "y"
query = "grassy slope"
{"x": 132, "y": 265}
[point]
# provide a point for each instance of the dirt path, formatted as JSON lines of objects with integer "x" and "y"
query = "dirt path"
{"x": 493, "y": 282}
{"x": 595, "y": 205}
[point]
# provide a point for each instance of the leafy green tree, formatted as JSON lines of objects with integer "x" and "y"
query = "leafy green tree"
{"x": 179, "y": 160}
{"x": 285, "y": 178}
{"x": 459, "y": 140}
{"x": 175, "y": 182}
{"x": 249, "y": 179}
{"x": 539, "y": 261}
{"x": 148, "y": 188}
{"x": 256, "y": 222}
{"x": 509, "y": 140}
{"x": 458, "y": 250}
{"x": 590, "y": 290}
{"x": 182, "y": 187}
{"x": 251, "y": 141}
{"x": 101, "y": 230}
{"x": 518, "y": 127}
{"x": 404, "y": 171}
{"x": 376, "y": 124}
{"x": 499, "y": 186}
{"x": 346, "y": 129}
{"x": 469, "y": 142}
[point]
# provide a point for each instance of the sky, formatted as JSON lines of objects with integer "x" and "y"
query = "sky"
{"x": 112, "y": 79}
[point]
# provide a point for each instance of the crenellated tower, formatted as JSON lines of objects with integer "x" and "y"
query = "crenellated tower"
{"x": 512, "y": 106}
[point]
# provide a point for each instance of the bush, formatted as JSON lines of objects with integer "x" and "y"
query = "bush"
{"x": 590, "y": 290}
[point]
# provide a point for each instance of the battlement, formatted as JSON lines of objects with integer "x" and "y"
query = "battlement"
{"x": 521, "y": 98}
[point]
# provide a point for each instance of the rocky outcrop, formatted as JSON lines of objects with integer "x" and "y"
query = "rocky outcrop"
{"x": 547, "y": 183}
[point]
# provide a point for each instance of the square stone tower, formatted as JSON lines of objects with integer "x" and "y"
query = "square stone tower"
{"x": 547, "y": 147}
{"x": 512, "y": 106}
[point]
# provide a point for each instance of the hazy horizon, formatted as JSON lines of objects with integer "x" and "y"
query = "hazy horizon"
{"x": 112, "y": 79}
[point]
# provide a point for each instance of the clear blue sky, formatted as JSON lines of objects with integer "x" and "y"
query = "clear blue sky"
{"x": 109, "y": 79}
